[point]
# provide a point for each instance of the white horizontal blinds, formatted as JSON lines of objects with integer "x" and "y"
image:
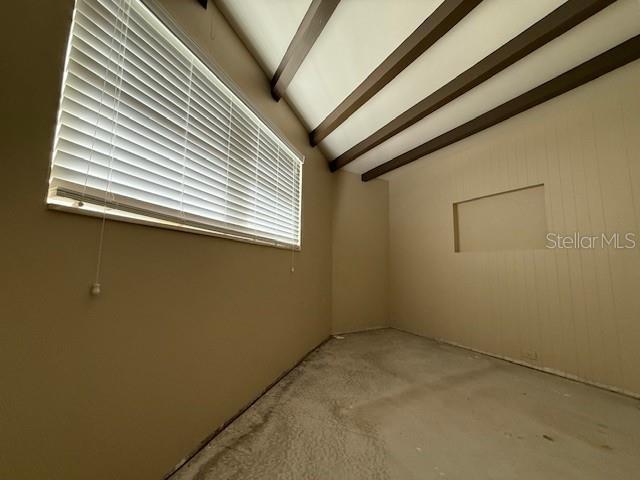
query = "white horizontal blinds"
{"x": 147, "y": 127}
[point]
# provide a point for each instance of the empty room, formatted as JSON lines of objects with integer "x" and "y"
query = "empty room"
{"x": 320, "y": 240}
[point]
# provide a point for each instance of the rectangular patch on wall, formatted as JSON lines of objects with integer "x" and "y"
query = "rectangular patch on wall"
{"x": 512, "y": 220}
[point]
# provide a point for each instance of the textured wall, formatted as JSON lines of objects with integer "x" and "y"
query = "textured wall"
{"x": 188, "y": 328}
{"x": 576, "y": 311}
{"x": 360, "y": 254}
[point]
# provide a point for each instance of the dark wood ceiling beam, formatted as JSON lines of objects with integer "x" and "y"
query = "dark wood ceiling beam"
{"x": 443, "y": 19}
{"x": 562, "y": 19}
{"x": 614, "y": 58}
{"x": 308, "y": 32}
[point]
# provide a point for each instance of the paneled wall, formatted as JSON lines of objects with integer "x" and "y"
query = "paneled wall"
{"x": 573, "y": 311}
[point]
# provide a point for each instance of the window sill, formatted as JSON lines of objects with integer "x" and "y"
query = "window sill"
{"x": 70, "y": 206}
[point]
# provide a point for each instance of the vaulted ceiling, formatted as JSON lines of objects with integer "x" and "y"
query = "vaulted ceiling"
{"x": 353, "y": 69}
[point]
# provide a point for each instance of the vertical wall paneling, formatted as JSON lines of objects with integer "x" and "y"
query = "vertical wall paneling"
{"x": 574, "y": 311}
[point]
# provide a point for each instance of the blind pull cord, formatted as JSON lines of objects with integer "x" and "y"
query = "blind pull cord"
{"x": 186, "y": 141}
{"x": 293, "y": 265}
{"x": 100, "y": 106}
{"x": 95, "y": 288}
{"x": 228, "y": 161}
{"x": 255, "y": 183}
{"x": 293, "y": 249}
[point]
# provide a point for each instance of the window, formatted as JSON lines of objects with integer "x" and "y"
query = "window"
{"x": 148, "y": 132}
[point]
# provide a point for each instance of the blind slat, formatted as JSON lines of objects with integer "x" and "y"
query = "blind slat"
{"x": 145, "y": 127}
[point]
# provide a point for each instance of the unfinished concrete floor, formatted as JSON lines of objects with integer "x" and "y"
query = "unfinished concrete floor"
{"x": 389, "y": 405}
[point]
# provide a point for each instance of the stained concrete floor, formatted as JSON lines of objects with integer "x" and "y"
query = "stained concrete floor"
{"x": 389, "y": 405}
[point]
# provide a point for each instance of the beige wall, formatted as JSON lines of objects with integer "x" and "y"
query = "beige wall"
{"x": 513, "y": 220}
{"x": 188, "y": 328}
{"x": 360, "y": 254}
{"x": 573, "y": 311}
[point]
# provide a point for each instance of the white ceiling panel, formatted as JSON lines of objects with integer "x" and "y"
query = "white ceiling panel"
{"x": 362, "y": 33}
{"x": 266, "y": 25}
{"x": 486, "y": 28}
{"x": 357, "y": 38}
{"x": 603, "y": 31}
